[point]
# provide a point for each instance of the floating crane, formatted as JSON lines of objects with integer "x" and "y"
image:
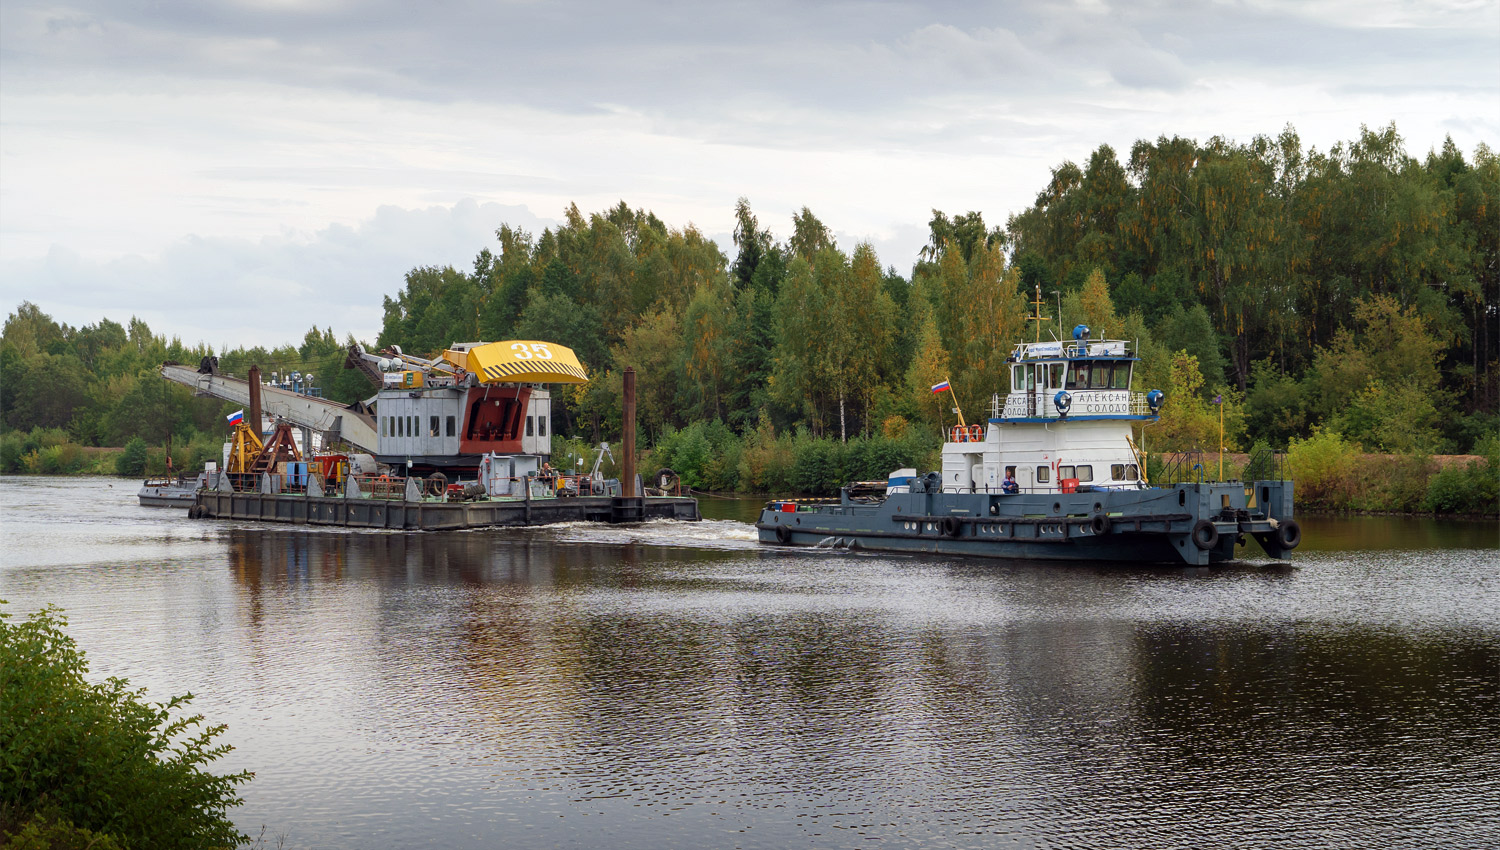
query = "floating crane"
{"x": 440, "y": 414}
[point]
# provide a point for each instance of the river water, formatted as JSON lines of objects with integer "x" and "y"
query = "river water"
{"x": 678, "y": 685}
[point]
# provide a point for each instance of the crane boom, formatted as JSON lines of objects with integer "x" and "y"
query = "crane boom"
{"x": 334, "y": 420}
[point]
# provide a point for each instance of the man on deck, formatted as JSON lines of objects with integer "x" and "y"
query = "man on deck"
{"x": 1009, "y": 485}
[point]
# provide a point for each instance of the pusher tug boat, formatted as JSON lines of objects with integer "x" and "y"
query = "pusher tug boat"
{"x": 1055, "y": 475}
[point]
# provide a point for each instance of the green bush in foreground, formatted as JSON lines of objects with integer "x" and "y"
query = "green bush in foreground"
{"x": 93, "y": 765}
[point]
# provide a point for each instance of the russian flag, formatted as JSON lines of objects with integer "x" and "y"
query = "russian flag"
{"x": 937, "y": 388}
{"x": 236, "y": 417}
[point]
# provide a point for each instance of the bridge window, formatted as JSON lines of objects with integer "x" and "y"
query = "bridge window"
{"x": 1054, "y": 376}
{"x": 1078, "y": 376}
{"x": 531, "y": 426}
{"x": 1121, "y": 380}
{"x": 452, "y": 426}
{"x": 1043, "y": 474}
{"x": 1100, "y": 380}
{"x": 1085, "y": 473}
{"x": 541, "y": 426}
{"x": 432, "y": 426}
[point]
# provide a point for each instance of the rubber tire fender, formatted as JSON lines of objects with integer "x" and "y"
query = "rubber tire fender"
{"x": 1288, "y": 534}
{"x": 1100, "y": 524}
{"x": 1205, "y": 535}
{"x": 783, "y": 535}
{"x": 951, "y": 526}
{"x": 437, "y": 484}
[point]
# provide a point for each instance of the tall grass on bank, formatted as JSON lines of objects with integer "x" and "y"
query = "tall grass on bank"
{"x": 1334, "y": 474}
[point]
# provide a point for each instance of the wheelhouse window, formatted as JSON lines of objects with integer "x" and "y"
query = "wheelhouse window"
{"x": 1078, "y": 376}
{"x": 1121, "y": 378}
{"x": 531, "y": 426}
{"x": 1100, "y": 377}
{"x": 541, "y": 426}
{"x": 1055, "y": 375}
{"x": 1022, "y": 378}
{"x": 1043, "y": 474}
{"x": 452, "y": 425}
{"x": 432, "y": 423}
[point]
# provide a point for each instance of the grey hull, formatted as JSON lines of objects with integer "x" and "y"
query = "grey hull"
{"x": 1186, "y": 524}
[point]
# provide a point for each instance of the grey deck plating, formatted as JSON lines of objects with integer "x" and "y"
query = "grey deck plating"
{"x": 300, "y": 509}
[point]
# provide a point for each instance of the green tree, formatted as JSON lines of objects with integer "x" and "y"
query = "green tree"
{"x": 97, "y": 756}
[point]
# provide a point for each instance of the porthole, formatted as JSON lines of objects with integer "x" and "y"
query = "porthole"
{"x": 1057, "y": 507}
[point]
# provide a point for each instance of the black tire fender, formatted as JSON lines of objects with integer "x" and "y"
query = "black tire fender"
{"x": 951, "y": 526}
{"x": 1205, "y": 535}
{"x": 783, "y": 535}
{"x": 1288, "y": 534}
{"x": 1100, "y": 524}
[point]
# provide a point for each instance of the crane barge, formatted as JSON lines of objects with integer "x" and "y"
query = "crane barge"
{"x": 479, "y": 411}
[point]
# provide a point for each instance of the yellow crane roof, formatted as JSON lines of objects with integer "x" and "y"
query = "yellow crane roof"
{"x": 520, "y": 361}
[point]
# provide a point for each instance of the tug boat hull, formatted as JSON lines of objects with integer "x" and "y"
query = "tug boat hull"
{"x": 1194, "y": 523}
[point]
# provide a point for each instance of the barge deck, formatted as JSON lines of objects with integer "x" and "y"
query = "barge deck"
{"x": 303, "y": 509}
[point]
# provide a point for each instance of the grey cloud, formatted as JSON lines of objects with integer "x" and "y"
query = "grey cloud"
{"x": 207, "y": 290}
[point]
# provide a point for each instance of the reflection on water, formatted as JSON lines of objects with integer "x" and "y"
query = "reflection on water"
{"x": 673, "y": 685}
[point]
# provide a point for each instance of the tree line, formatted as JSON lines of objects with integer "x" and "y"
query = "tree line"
{"x": 1352, "y": 291}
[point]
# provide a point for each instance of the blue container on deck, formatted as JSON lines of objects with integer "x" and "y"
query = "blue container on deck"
{"x": 296, "y": 473}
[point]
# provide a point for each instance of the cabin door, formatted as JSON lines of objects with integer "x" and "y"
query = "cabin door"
{"x": 1023, "y": 479}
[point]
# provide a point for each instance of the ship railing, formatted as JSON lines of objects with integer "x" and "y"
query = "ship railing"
{"x": 1198, "y": 466}
{"x": 1266, "y": 465}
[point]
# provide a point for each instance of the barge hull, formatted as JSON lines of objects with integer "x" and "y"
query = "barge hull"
{"x": 296, "y": 509}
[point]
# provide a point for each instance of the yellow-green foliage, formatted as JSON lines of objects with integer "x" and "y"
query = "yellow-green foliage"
{"x": 1323, "y": 466}
{"x": 1188, "y": 421}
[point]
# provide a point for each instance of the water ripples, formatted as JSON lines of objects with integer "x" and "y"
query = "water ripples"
{"x": 672, "y": 685}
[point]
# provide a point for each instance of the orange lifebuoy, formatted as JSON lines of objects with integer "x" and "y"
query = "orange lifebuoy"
{"x": 976, "y": 434}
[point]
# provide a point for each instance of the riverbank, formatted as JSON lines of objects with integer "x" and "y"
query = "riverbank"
{"x": 1333, "y": 476}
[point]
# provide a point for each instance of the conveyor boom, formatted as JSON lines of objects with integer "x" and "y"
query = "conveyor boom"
{"x": 332, "y": 419}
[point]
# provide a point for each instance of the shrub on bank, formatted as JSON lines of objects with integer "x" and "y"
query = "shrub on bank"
{"x": 1470, "y": 489}
{"x": 132, "y": 461}
{"x": 93, "y": 765}
{"x": 1323, "y": 466}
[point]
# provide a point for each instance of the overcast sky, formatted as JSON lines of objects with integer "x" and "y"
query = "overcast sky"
{"x": 233, "y": 172}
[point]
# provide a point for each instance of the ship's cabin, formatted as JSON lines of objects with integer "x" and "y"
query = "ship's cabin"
{"x": 435, "y": 423}
{"x": 1082, "y": 379}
